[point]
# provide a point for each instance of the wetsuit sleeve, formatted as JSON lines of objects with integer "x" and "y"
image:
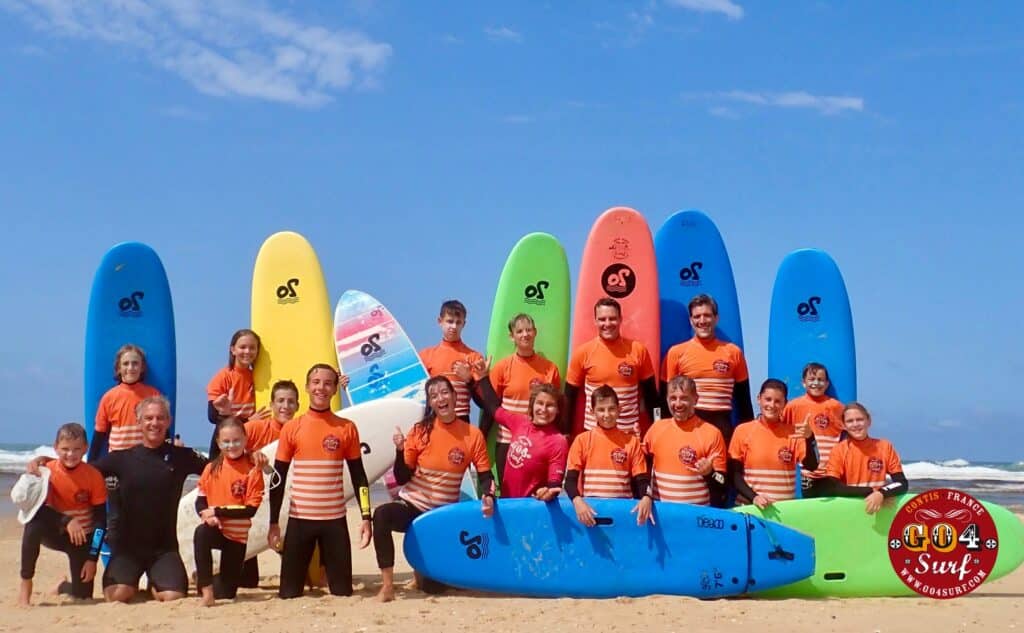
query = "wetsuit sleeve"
{"x": 571, "y": 393}
{"x": 360, "y": 484}
{"x": 489, "y": 400}
{"x": 572, "y": 484}
{"x": 235, "y": 512}
{"x": 277, "y": 493}
{"x": 652, "y": 400}
{"x": 201, "y": 503}
{"x": 402, "y": 472}
{"x": 810, "y": 462}
{"x": 739, "y": 481}
{"x": 99, "y": 523}
{"x": 836, "y": 488}
{"x": 98, "y": 446}
{"x": 741, "y": 401}
{"x": 485, "y": 482}
{"x": 641, "y": 485}
{"x": 211, "y": 413}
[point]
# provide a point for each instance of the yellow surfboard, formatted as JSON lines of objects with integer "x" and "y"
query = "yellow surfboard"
{"x": 292, "y": 314}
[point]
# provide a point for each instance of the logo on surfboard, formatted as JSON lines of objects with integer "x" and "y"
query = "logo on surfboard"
{"x": 534, "y": 293}
{"x": 286, "y": 292}
{"x": 371, "y": 348}
{"x": 129, "y": 306}
{"x": 690, "y": 275}
{"x": 618, "y": 281}
{"x": 808, "y": 310}
{"x": 620, "y": 248}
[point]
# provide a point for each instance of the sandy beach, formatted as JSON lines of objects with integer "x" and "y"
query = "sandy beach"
{"x": 996, "y": 606}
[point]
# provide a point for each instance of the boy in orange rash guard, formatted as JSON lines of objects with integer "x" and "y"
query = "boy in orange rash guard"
{"x": 764, "y": 453}
{"x": 824, "y": 414}
{"x": 430, "y": 463}
{"x": 718, "y": 367}
{"x": 687, "y": 455}
{"x": 513, "y": 379}
{"x": 230, "y": 492}
{"x": 284, "y": 402}
{"x": 74, "y": 507}
{"x": 442, "y": 359}
{"x": 859, "y": 464}
{"x": 606, "y": 462}
{"x": 116, "y": 428}
{"x": 613, "y": 360}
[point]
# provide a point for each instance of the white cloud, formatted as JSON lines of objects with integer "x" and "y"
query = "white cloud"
{"x": 223, "y": 48}
{"x": 827, "y": 105}
{"x": 728, "y": 8}
{"x": 503, "y": 34}
{"x": 723, "y": 112}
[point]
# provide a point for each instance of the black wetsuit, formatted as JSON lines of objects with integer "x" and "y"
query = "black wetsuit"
{"x": 149, "y": 482}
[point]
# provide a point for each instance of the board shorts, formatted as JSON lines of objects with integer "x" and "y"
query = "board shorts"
{"x": 165, "y": 570}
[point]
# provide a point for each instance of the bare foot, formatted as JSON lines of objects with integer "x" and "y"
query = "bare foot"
{"x": 25, "y": 593}
{"x": 414, "y": 584}
{"x": 386, "y": 593}
{"x": 206, "y": 599}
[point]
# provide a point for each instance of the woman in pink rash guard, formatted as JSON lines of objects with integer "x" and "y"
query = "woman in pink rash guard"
{"x": 535, "y": 465}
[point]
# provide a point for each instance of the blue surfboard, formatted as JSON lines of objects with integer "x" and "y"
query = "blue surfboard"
{"x": 130, "y": 302}
{"x": 540, "y": 549}
{"x": 811, "y": 321}
{"x": 693, "y": 260}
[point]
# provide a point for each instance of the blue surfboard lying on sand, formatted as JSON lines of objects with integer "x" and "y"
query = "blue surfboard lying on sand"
{"x": 130, "y": 302}
{"x": 540, "y": 549}
{"x": 811, "y": 321}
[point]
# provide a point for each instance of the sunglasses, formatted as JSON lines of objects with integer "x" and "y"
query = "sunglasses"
{"x": 225, "y": 444}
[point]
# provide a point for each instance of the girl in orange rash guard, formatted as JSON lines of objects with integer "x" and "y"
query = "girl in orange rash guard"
{"x": 859, "y": 464}
{"x": 117, "y": 427}
{"x": 231, "y": 391}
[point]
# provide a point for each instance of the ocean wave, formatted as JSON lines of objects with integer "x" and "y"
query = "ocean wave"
{"x": 15, "y": 461}
{"x": 959, "y": 470}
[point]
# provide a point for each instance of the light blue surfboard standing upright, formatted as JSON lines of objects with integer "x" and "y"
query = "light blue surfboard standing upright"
{"x": 811, "y": 321}
{"x": 130, "y": 302}
{"x": 693, "y": 260}
{"x": 541, "y": 549}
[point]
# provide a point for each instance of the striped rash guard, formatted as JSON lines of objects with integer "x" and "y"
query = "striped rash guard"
{"x": 116, "y": 414}
{"x": 606, "y": 460}
{"x": 513, "y": 378}
{"x": 439, "y": 460}
{"x": 825, "y": 416}
{"x": 768, "y": 457}
{"x": 676, "y": 447}
{"x": 76, "y": 491}
{"x": 235, "y": 485}
{"x": 621, "y": 364}
{"x": 237, "y": 382}
{"x": 716, "y": 367}
{"x": 863, "y": 462}
{"x": 440, "y": 360}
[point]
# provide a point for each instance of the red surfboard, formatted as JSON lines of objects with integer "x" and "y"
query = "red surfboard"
{"x": 618, "y": 262}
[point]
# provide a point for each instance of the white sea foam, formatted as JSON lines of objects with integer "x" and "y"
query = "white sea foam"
{"x": 959, "y": 470}
{"x": 15, "y": 461}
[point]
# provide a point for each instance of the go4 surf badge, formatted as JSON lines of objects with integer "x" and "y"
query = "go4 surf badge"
{"x": 943, "y": 543}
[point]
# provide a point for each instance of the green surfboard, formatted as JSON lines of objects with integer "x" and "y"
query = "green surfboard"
{"x": 851, "y": 546}
{"x": 535, "y": 281}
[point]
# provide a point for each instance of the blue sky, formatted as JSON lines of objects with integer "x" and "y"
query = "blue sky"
{"x": 414, "y": 143}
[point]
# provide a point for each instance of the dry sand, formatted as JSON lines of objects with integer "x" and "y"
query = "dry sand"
{"x": 994, "y": 607}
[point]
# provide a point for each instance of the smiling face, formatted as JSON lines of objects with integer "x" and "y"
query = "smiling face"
{"x": 703, "y": 320}
{"x": 606, "y": 413}
{"x": 245, "y": 350}
{"x": 70, "y": 451}
{"x": 441, "y": 398}
{"x": 130, "y": 367}
{"x": 321, "y": 385}
{"x": 771, "y": 401}
{"x": 681, "y": 403}
{"x": 545, "y": 409}
{"x": 608, "y": 321}
{"x": 284, "y": 405}
{"x": 155, "y": 419}
{"x": 523, "y": 335}
{"x": 856, "y": 423}
{"x": 231, "y": 439}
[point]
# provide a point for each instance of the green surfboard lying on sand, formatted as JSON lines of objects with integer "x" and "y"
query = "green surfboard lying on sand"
{"x": 852, "y": 546}
{"x": 534, "y": 281}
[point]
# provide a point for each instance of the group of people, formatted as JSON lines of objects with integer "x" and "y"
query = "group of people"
{"x": 598, "y": 436}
